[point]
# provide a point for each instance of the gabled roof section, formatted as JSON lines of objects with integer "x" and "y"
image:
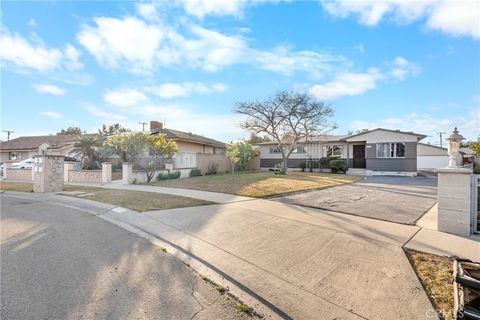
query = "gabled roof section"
{"x": 418, "y": 135}
{"x": 189, "y": 137}
{"x": 432, "y": 145}
{"x": 33, "y": 142}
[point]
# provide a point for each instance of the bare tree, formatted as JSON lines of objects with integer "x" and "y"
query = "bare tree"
{"x": 288, "y": 118}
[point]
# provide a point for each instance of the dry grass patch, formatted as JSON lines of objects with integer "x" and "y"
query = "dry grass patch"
{"x": 135, "y": 200}
{"x": 435, "y": 273}
{"x": 260, "y": 184}
{"x": 16, "y": 186}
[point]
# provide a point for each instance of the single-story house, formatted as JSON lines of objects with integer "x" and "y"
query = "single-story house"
{"x": 373, "y": 152}
{"x": 189, "y": 145}
{"x": 26, "y": 147}
{"x": 431, "y": 157}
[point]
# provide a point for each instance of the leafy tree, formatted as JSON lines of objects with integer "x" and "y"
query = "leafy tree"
{"x": 241, "y": 153}
{"x": 255, "y": 139}
{"x": 73, "y": 131}
{"x": 85, "y": 149}
{"x": 287, "y": 118}
{"x": 144, "y": 150}
{"x": 475, "y": 146}
{"x": 111, "y": 130}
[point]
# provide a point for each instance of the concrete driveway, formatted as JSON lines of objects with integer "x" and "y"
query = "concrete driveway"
{"x": 395, "y": 199}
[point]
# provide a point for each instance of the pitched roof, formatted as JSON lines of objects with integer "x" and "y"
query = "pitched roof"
{"x": 421, "y": 136}
{"x": 318, "y": 138}
{"x": 188, "y": 136}
{"x": 33, "y": 142}
{"x": 432, "y": 145}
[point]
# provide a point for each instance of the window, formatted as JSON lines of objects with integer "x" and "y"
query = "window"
{"x": 300, "y": 150}
{"x": 275, "y": 150}
{"x": 391, "y": 150}
{"x": 333, "y": 151}
{"x": 14, "y": 156}
{"x": 382, "y": 150}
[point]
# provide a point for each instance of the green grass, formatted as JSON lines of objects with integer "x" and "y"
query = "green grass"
{"x": 135, "y": 200}
{"x": 260, "y": 184}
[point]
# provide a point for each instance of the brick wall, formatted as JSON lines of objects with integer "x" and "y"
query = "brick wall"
{"x": 19, "y": 174}
{"x": 92, "y": 176}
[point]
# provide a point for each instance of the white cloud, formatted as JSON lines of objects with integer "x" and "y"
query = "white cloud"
{"x": 201, "y": 8}
{"x": 147, "y": 10}
{"x": 52, "y": 114}
{"x": 48, "y": 88}
{"x": 115, "y": 44}
{"x": 174, "y": 90}
{"x": 427, "y": 124}
{"x": 99, "y": 113}
{"x": 457, "y": 18}
{"x": 347, "y": 84}
{"x": 32, "y": 23}
{"x": 35, "y": 55}
{"x": 403, "y": 68}
{"x": 124, "y": 97}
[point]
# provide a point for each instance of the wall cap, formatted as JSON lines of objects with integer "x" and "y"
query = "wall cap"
{"x": 455, "y": 170}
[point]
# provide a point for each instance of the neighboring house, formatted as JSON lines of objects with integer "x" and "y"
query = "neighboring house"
{"x": 467, "y": 154}
{"x": 189, "y": 145}
{"x": 26, "y": 147}
{"x": 374, "y": 152}
{"x": 431, "y": 157}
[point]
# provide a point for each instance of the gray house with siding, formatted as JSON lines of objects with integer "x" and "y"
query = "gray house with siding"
{"x": 374, "y": 152}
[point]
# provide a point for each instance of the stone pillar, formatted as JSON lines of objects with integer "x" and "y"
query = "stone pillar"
{"x": 454, "y": 201}
{"x": 127, "y": 173}
{"x": 48, "y": 175}
{"x": 6, "y": 166}
{"x": 66, "y": 168}
{"x": 106, "y": 172}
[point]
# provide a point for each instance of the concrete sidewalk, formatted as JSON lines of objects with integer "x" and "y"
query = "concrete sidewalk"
{"x": 189, "y": 193}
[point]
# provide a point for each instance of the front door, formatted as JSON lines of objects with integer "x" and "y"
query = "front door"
{"x": 359, "y": 156}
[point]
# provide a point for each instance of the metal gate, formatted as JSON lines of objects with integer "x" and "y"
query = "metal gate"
{"x": 475, "y": 203}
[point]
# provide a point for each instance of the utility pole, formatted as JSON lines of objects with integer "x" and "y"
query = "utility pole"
{"x": 8, "y": 133}
{"x": 441, "y": 133}
{"x": 143, "y": 125}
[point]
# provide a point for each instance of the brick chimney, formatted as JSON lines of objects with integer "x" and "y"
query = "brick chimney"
{"x": 155, "y": 126}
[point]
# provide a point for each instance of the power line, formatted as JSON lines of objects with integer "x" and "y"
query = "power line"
{"x": 441, "y": 133}
{"x": 9, "y": 132}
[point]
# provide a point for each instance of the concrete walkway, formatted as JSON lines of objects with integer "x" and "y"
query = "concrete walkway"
{"x": 190, "y": 193}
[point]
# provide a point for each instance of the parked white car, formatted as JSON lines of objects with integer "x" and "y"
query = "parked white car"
{"x": 24, "y": 164}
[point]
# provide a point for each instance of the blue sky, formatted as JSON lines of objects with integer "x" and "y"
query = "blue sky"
{"x": 410, "y": 65}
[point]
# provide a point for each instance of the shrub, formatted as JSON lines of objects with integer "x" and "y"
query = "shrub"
{"x": 168, "y": 175}
{"x": 195, "y": 172}
{"x": 303, "y": 165}
{"x": 338, "y": 166}
{"x": 324, "y": 162}
{"x": 212, "y": 169}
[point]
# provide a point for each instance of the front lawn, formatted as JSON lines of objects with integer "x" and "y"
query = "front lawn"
{"x": 135, "y": 200}
{"x": 260, "y": 184}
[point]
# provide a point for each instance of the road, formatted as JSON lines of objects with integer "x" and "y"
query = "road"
{"x": 60, "y": 263}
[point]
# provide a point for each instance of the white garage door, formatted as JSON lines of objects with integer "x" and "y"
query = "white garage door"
{"x": 432, "y": 162}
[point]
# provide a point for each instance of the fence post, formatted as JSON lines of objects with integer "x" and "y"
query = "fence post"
{"x": 6, "y": 166}
{"x": 454, "y": 201}
{"x": 127, "y": 173}
{"x": 48, "y": 175}
{"x": 106, "y": 172}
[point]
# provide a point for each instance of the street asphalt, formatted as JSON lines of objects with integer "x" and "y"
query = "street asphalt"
{"x": 395, "y": 199}
{"x": 63, "y": 263}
